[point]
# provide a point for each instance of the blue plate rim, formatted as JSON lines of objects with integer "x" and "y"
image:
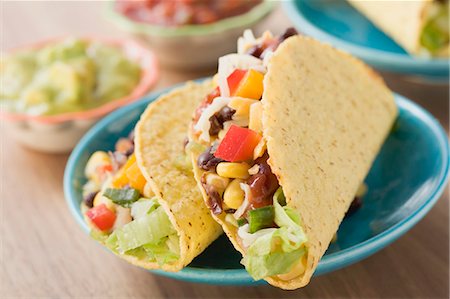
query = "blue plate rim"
{"x": 330, "y": 262}
{"x": 382, "y": 59}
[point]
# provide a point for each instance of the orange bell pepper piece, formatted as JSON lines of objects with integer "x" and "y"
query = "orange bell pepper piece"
{"x": 121, "y": 179}
{"x": 251, "y": 85}
{"x": 135, "y": 177}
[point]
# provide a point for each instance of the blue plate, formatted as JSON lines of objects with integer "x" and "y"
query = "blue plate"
{"x": 338, "y": 23}
{"x": 405, "y": 181}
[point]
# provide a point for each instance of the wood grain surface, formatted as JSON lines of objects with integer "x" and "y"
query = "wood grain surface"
{"x": 44, "y": 254}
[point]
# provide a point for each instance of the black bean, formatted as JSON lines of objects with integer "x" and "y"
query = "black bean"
{"x": 255, "y": 51}
{"x": 214, "y": 201}
{"x": 207, "y": 161}
{"x": 354, "y": 206}
{"x": 89, "y": 199}
{"x": 288, "y": 33}
{"x": 217, "y": 120}
{"x": 225, "y": 114}
{"x": 263, "y": 184}
{"x": 215, "y": 125}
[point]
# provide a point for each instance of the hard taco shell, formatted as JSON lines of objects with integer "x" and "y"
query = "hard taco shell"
{"x": 403, "y": 21}
{"x": 159, "y": 145}
{"x": 325, "y": 116}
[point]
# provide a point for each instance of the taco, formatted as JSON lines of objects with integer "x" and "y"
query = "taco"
{"x": 141, "y": 201}
{"x": 288, "y": 136}
{"x": 420, "y": 27}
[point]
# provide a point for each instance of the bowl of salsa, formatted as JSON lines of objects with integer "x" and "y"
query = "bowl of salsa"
{"x": 188, "y": 34}
{"x": 53, "y": 91}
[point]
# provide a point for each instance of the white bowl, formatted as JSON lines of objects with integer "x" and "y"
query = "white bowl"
{"x": 192, "y": 46}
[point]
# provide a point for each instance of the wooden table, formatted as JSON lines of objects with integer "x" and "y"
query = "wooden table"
{"x": 45, "y": 254}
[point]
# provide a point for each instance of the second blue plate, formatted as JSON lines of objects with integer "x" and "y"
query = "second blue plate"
{"x": 338, "y": 23}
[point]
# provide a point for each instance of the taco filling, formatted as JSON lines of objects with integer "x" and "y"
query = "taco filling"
{"x": 236, "y": 176}
{"x": 435, "y": 34}
{"x": 121, "y": 211}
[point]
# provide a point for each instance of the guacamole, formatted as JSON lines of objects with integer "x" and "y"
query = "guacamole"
{"x": 66, "y": 76}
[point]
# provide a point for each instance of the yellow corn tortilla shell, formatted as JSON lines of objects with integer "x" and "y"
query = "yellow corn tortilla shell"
{"x": 159, "y": 144}
{"x": 403, "y": 21}
{"x": 325, "y": 116}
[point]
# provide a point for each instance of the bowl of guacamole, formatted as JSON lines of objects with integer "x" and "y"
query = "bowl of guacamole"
{"x": 70, "y": 83}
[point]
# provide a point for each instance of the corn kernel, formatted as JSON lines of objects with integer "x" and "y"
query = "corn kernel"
{"x": 220, "y": 183}
{"x": 255, "y": 117}
{"x": 233, "y": 170}
{"x": 241, "y": 105}
{"x": 99, "y": 199}
{"x": 97, "y": 159}
{"x": 234, "y": 195}
{"x": 260, "y": 149}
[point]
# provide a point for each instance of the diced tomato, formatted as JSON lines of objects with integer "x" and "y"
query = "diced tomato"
{"x": 238, "y": 144}
{"x": 102, "y": 217}
{"x": 205, "y": 15}
{"x": 234, "y": 80}
{"x": 214, "y": 94}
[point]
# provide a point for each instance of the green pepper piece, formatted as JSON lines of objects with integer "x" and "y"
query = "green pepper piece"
{"x": 241, "y": 221}
{"x": 123, "y": 197}
{"x": 260, "y": 218}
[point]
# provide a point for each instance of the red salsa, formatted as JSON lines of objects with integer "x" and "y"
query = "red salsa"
{"x": 175, "y": 13}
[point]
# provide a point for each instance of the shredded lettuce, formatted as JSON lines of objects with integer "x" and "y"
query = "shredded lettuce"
{"x": 111, "y": 243}
{"x": 148, "y": 229}
{"x": 149, "y": 236}
{"x": 143, "y": 207}
{"x": 275, "y": 251}
{"x": 161, "y": 252}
